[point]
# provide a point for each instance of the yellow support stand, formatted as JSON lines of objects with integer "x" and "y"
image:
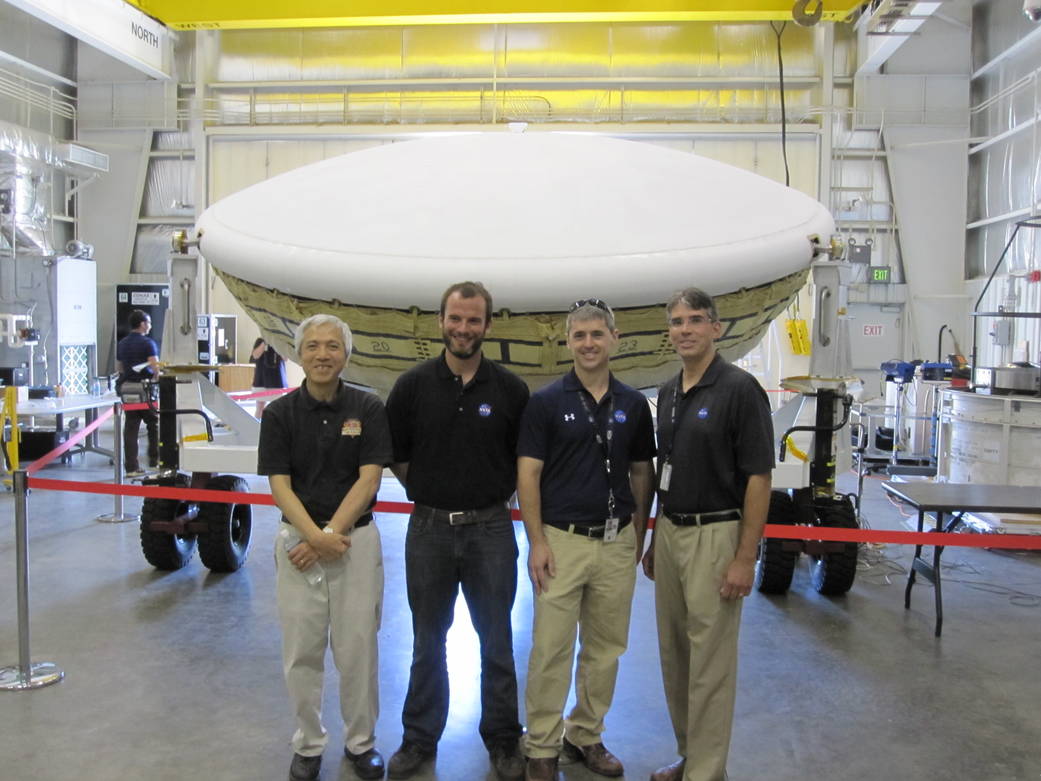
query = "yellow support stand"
{"x": 11, "y": 433}
{"x": 798, "y": 335}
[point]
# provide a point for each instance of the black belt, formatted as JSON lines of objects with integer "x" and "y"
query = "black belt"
{"x": 492, "y": 512}
{"x": 702, "y": 519}
{"x": 365, "y": 520}
{"x": 585, "y": 530}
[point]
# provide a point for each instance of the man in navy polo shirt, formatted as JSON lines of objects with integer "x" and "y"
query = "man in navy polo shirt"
{"x": 323, "y": 447}
{"x": 454, "y": 421}
{"x": 138, "y": 349}
{"x": 715, "y": 456}
{"x": 585, "y": 482}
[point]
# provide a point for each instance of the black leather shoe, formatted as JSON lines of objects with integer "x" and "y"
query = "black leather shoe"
{"x": 507, "y": 760}
{"x": 305, "y": 768}
{"x": 368, "y": 764}
{"x": 407, "y": 759}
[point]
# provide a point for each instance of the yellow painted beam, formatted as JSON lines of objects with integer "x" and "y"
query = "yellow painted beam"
{"x": 266, "y": 14}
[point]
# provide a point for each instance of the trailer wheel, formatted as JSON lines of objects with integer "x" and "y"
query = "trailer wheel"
{"x": 833, "y": 573}
{"x": 163, "y": 550}
{"x": 224, "y": 545}
{"x": 773, "y": 572}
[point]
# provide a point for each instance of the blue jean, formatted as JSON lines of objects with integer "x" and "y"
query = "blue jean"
{"x": 439, "y": 559}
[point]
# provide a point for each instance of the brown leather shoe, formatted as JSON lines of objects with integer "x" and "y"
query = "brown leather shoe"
{"x": 673, "y": 772}
{"x": 595, "y": 757}
{"x": 541, "y": 769}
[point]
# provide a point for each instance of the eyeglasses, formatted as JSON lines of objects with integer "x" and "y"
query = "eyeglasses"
{"x": 695, "y": 320}
{"x": 590, "y": 302}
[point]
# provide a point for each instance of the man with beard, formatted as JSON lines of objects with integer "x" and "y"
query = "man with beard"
{"x": 454, "y": 422}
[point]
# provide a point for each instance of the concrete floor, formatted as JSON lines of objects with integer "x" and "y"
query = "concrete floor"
{"x": 177, "y": 675}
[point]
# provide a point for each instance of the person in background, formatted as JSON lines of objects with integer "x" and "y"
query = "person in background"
{"x": 269, "y": 370}
{"x": 137, "y": 361}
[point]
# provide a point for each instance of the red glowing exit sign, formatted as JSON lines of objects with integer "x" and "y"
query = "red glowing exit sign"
{"x": 873, "y": 330}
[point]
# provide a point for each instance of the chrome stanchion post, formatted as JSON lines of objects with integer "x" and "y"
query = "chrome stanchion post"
{"x": 26, "y": 675}
{"x": 117, "y": 515}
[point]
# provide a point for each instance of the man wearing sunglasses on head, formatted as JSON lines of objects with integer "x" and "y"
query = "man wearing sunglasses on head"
{"x": 715, "y": 456}
{"x": 585, "y": 482}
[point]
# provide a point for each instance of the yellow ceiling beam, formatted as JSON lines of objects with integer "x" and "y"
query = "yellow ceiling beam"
{"x": 268, "y": 14}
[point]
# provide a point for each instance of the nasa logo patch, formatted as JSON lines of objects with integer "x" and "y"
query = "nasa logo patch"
{"x": 619, "y": 415}
{"x": 484, "y": 410}
{"x": 703, "y": 413}
{"x": 351, "y": 428}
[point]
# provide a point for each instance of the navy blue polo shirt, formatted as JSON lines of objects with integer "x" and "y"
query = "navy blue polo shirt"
{"x": 724, "y": 433}
{"x": 322, "y": 445}
{"x": 555, "y": 429}
{"x": 460, "y": 441}
{"x": 134, "y": 349}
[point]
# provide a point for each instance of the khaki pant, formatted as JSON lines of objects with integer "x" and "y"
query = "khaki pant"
{"x": 593, "y": 589}
{"x": 343, "y": 611}
{"x": 697, "y": 636}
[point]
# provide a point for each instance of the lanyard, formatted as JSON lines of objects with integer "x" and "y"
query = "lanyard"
{"x": 605, "y": 446}
{"x": 673, "y": 417}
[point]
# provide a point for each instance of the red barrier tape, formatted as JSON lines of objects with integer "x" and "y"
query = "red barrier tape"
{"x": 64, "y": 447}
{"x": 139, "y": 406}
{"x": 778, "y": 531}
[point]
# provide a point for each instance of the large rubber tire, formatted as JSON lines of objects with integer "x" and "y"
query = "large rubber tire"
{"x": 164, "y": 550}
{"x": 773, "y": 572}
{"x": 225, "y": 545}
{"x": 833, "y": 573}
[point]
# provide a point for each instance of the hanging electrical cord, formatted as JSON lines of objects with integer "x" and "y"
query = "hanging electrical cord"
{"x": 784, "y": 118}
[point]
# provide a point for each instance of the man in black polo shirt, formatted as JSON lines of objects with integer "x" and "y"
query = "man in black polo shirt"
{"x": 715, "y": 456}
{"x": 137, "y": 348}
{"x": 323, "y": 448}
{"x": 585, "y": 482}
{"x": 454, "y": 423}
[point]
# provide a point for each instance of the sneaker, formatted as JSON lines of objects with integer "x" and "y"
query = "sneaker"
{"x": 507, "y": 760}
{"x": 407, "y": 759}
{"x": 305, "y": 768}
{"x": 132, "y": 473}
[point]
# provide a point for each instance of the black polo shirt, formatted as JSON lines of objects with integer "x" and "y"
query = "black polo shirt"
{"x": 724, "y": 434}
{"x": 322, "y": 445}
{"x": 556, "y": 431}
{"x": 459, "y": 441}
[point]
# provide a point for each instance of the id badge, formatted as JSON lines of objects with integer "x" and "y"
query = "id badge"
{"x": 666, "y": 476}
{"x": 611, "y": 529}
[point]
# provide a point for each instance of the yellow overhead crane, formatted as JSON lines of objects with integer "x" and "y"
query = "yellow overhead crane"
{"x": 265, "y": 14}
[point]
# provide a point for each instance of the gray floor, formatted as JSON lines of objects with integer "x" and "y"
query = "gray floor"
{"x": 176, "y": 675}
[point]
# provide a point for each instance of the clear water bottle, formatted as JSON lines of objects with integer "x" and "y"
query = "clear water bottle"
{"x": 290, "y": 539}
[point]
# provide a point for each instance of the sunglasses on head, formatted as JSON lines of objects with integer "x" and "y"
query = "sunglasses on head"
{"x": 589, "y": 302}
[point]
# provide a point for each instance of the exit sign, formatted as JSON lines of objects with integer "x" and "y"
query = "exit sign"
{"x": 874, "y": 329}
{"x": 878, "y": 275}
